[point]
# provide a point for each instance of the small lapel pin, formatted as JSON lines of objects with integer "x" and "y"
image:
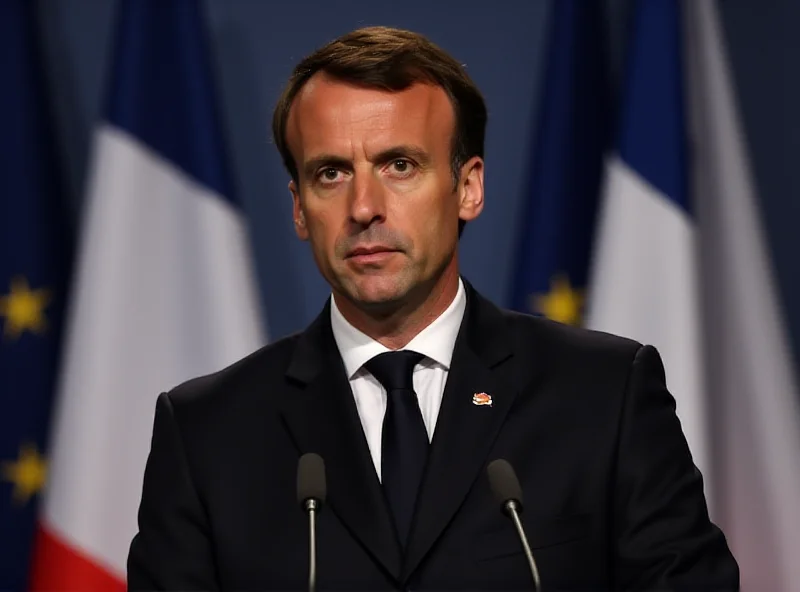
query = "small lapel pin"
{"x": 482, "y": 399}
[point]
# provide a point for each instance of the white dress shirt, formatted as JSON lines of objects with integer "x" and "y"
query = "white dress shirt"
{"x": 435, "y": 342}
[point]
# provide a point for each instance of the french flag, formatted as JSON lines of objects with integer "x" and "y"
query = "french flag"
{"x": 164, "y": 290}
{"x": 682, "y": 262}
{"x": 752, "y": 385}
{"x": 644, "y": 278}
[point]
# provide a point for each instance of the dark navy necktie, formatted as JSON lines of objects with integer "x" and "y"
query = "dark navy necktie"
{"x": 404, "y": 441}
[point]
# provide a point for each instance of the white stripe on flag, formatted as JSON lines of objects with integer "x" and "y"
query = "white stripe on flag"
{"x": 164, "y": 292}
{"x": 752, "y": 385}
{"x": 643, "y": 285}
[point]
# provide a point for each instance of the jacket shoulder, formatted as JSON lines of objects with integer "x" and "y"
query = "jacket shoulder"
{"x": 258, "y": 373}
{"x": 562, "y": 343}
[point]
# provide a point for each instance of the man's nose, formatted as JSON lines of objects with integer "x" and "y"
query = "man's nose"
{"x": 367, "y": 199}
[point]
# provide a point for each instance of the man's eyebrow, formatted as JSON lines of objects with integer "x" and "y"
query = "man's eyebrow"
{"x": 323, "y": 161}
{"x": 403, "y": 151}
{"x": 400, "y": 151}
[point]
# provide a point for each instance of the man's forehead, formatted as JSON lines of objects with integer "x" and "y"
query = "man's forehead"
{"x": 325, "y": 105}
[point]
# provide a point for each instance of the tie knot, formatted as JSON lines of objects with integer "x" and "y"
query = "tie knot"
{"x": 394, "y": 370}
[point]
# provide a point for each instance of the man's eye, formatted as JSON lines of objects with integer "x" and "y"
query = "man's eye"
{"x": 329, "y": 175}
{"x": 402, "y": 166}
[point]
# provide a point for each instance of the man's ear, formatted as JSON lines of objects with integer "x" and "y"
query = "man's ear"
{"x": 470, "y": 189}
{"x": 297, "y": 213}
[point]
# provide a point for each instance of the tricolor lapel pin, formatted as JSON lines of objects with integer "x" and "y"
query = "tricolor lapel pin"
{"x": 482, "y": 399}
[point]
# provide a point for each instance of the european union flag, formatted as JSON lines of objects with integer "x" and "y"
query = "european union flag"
{"x": 33, "y": 270}
{"x": 558, "y": 222}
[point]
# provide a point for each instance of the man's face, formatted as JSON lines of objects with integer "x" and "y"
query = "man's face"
{"x": 375, "y": 194}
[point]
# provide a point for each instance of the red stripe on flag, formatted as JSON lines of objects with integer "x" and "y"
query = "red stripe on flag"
{"x": 59, "y": 566}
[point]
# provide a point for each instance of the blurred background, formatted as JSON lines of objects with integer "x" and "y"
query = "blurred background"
{"x": 596, "y": 107}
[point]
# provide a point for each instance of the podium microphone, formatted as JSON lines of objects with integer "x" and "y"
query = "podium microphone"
{"x": 505, "y": 486}
{"x": 311, "y": 489}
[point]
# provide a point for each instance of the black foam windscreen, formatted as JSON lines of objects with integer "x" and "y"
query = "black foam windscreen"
{"x": 311, "y": 478}
{"x": 503, "y": 481}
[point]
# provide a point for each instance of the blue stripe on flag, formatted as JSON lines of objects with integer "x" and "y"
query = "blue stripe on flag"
{"x": 573, "y": 126}
{"x": 162, "y": 92}
{"x": 652, "y": 125}
{"x": 34, "y": 260}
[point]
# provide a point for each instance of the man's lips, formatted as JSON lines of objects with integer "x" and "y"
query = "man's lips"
{"x": 372, "y": 254}
{"x": 362, "y": 251}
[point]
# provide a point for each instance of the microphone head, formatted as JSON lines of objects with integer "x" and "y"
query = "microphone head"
{"x": 311, "y": 479}
{"x": 504, "y": 483}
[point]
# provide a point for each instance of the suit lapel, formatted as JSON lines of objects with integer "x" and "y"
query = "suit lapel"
{"x": 464, "y": 431}
{"x": 324, "y": 419}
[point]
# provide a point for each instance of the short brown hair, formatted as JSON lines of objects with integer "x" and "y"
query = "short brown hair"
{"x": 390, "y": 59}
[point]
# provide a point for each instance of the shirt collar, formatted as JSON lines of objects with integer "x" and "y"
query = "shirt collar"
{"x": 436, "y": 341}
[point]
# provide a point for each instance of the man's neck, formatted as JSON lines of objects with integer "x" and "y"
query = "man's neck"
{"x": 398, "y": 327}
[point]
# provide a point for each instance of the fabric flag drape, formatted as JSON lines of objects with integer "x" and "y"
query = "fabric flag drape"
{"x": 643, "y": 281}
{"x": 559, "y": 213}
{"x": 752, "y": 388}
{"x": 682, "y": 263}
{"x": 34, "y": 260}
{"x": 164, "y": 289}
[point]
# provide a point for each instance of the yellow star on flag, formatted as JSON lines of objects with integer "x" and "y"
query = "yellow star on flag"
{"x": 28, "y": 473}
{"x": 23, "y": 309}
{"x": 562, "y": 303}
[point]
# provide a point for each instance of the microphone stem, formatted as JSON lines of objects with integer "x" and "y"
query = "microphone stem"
{"x": 511, "y": 508}
{"x": 311, "y": 508}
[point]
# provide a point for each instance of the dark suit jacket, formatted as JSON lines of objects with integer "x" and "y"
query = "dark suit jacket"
{"x": 612, "y": 499}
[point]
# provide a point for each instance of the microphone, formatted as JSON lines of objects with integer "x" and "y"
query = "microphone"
{"x": 506, "y": 489}
{"x": 311, "y": 489}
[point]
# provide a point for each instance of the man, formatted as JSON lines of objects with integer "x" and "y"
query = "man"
{"x": 382, "y": 134}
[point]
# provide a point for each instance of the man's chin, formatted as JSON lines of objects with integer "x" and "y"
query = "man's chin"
{"x": 378, "y": 294}
{"x": 379, "y": 298}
